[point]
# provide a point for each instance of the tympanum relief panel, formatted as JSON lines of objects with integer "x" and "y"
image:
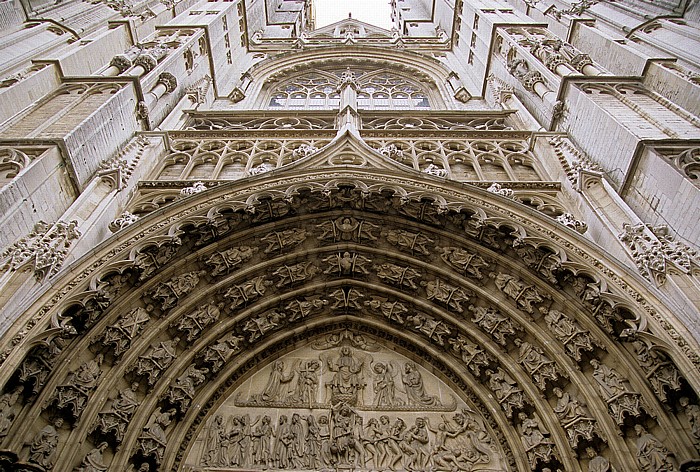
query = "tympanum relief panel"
{"x": 337, "y": 404}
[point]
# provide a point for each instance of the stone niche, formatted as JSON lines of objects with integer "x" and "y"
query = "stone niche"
{"x": 339, "y": 405}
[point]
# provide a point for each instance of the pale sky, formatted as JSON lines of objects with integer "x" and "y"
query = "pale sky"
{"x": 375, "y": 12}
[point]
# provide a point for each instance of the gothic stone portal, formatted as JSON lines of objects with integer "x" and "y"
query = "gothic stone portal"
{"x": 332, "y": 405}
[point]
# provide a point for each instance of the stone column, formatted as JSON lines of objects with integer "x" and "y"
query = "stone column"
{"x": 118, "y": 65}
{"x": 167, "y": 83}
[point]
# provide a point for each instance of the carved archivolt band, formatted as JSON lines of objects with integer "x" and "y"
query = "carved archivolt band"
{"x": 557, "y": 352}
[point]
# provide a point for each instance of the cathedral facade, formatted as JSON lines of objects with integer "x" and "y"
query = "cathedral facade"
{"x": 235, "y": 241}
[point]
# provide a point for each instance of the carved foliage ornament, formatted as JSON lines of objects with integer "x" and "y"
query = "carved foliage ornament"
{"x": 44, "y": 249}
{"x": 653, "y": 249}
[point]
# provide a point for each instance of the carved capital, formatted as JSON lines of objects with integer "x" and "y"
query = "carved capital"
{"x": 169, "y": 80}
{"x": 121, "y": 62}
{"x": 147, "y": 61}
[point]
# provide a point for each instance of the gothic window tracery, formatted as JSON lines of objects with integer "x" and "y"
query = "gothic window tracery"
{"x": 376, "y": 89}
{"x": 230, "y": 159}
{"x": 315, "y": 90}
{"x": 492, "y": 160}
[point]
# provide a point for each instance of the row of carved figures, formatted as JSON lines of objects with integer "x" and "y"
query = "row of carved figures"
{"x": 342, "y": 437}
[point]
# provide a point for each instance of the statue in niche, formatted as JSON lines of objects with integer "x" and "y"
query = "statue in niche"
{"x": 247, "y": 291}
{"x": 574, "y": 417}
{"x": 434, "y": 329}
{"x": 116, "y": 419}
{"x": 493, "y": 322}
{"x": 445, "y": 293}
{"x": 610, "y": 382}
{"x": 620, "y": 399}
{"x": 397, "y": 275}
{"x": 391, "y": 310}
{"x": 153, "y": 441}
{"x": 415, "y": 391}
{"x": 539, "y": 366}
{"x": 157, "y": 360}
{"x": 508, "y": 394}
{"x": 692, "y": 412}
{"x": 471, "y": 354}
{"x": 347, "y": 264}
{"x": 44, "y": 444}
{"x": 226, "y": 261}
{"x": 568, "y": 407}
{"x": 525, "y": 296}
{"x": 347, "y": 382}
{"x": 652, "y": 455}
{"x": 257, "y": 327}
{"x": 660, "y": 371}
{"x": 598, "y": 463}
{"x": 168, "y": 293}
{"x": 7, "y": 413}
{"x": 301, "y": 308}
{"x": 192, "y": 324}
{"x": 219, "y": 353}
{"x": 384, "y": 384}
{"x": 279, "y": 240}
{"x": 183, "y": 391}
{"x": 408, "y": 242}
{"x": 535, "y": 441}
{"x": 119, "y": 336}
{"x": 470, "y": 264}
{"x": 93, "y": 460}
{"x": 73, "y": 394}
{"x": 307, "y": 382}
{"x": 276, "y": 389}
{"x": 569, "y": 332}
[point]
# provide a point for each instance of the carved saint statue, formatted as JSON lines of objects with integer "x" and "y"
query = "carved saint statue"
{"x": 652, "y": 455}
{"x": 43, "y": 445}
{"x": 692, "y": 412}
{"x": 93, "y": 460}
{"x": 598, "y": 463}
{"x": 7, "y": 414}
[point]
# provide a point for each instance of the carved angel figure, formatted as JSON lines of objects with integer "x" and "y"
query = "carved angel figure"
{"x": 384, "y": 384}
